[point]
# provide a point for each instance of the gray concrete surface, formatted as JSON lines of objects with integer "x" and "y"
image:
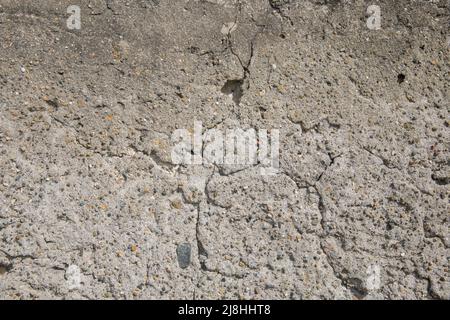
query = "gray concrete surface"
{"x": 92, "y": 206}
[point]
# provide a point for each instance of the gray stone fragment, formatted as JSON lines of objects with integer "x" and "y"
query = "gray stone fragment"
{"x": 184, "y": 255}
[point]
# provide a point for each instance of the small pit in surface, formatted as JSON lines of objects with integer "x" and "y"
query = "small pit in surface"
{"x": 233, "y": 88}
{"x": 4, "y": 269}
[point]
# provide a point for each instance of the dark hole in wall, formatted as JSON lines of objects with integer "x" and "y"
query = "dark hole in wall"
{"x": 442, "y": 181}
{"x": 233, "y": 88}
{"x": 4, "y": 268}
{"x": 401, "y": 78}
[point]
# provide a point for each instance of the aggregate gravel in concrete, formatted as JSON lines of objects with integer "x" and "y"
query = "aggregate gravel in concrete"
{"x": 92, "y": 206}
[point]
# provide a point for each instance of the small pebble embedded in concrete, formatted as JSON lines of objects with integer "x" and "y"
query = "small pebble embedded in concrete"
{"x": 184, "y": 255}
